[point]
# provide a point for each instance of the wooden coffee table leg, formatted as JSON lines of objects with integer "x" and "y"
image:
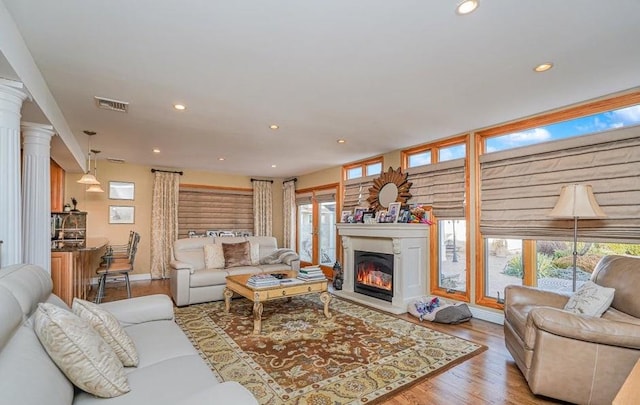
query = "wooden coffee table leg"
{"x": 325, "y": 297}
{"x": 227, "y": 298}
{"x": 257, "y": 317}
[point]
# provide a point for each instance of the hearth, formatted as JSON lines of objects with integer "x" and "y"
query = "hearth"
{"x": 373, "y": 274}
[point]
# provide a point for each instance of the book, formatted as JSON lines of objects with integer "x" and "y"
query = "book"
{"x": 290, "y": 281}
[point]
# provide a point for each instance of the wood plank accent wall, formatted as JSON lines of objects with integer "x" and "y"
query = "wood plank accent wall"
{"x": 202, "y": 208}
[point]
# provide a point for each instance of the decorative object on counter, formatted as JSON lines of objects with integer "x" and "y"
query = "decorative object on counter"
{"x": 75, "y": 204}
{"x": 337, "y": 276}
{"x": 67, "y": 208}
{"x": 390, "y": 187}
{"x": 420, "y": 215}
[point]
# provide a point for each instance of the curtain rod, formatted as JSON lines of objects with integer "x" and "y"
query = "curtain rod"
{"x": 270, "y": 181}
{"x": 165, "y": 171}
{"x": 295, "y": 179}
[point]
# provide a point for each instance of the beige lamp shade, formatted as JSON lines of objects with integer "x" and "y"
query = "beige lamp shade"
{"x": 577, "y": 201}
{"x": 88, "y": 178}
{"x": 94, "y": 188}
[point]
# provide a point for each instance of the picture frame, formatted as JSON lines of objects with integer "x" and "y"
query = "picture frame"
{"x": 121, "y": 214}
{"x": 394, "y": 211}
{"x": 404, "y": 216}
{"x": 344, "y": 217}
{"x": 380, "y": 216}
{"x": 358, "y": 214}
{"x": 122, "y": 190}
{"x": 368, "y": 217}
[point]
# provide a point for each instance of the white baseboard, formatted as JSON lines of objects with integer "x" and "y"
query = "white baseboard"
{"x": 486, "y": 315}
{"x": 132, "y": 277}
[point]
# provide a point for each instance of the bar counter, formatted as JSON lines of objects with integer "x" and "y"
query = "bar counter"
{"x": 73, "y": 265}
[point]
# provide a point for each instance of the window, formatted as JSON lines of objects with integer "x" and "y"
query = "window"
{"x": 604, "y": 121}
{"x": 452, "y": 263}
{"x": 521, "y": 168}
{"x": 451, "y": 149}
{"x": 368, "y": 167}
{"x": 419, "y": 159}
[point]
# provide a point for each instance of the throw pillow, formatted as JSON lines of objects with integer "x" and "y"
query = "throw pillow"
{"x": 255, "y": 253}
{"x": 213, "y": 256}
{"x": 79, "y": 351}
{"x": 590, "y": 299}
{"x": 237, "y": 254}
{"x": 109, "y": 328}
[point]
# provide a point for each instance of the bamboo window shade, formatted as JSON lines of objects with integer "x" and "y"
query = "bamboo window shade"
{"x": 519, "y": 187}
{"x": 355, "y": 190}
{"x": 201, "y": 209}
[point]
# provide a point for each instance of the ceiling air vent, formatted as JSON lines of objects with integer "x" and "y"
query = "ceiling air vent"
{"x": 109, "y": 104}
{"x": 115, "y": 160}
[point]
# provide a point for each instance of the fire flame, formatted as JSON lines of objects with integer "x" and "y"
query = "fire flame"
{"x": 368, "y": 274}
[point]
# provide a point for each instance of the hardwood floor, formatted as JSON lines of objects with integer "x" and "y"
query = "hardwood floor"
{"x": 488, "y": 378}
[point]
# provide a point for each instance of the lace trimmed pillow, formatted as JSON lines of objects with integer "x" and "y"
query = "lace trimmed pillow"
{"x": 590, "y": 299}
{"x": 109, "y": 328}
{"x": 80, "y": 352}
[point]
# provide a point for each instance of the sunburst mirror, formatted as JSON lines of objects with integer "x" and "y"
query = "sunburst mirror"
{"x": 391, "y": 186}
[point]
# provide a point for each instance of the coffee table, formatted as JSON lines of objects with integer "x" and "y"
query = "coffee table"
{"x": 259, "y": 295}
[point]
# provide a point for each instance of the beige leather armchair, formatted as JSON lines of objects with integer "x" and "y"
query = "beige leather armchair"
{"x": 576, "y": 358}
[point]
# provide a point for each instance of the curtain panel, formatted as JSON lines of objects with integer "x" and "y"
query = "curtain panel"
{"x": 262, "y": 201}
{"x": 520, "y": 187}
{"x": 164, "y": 222}
{"x": 206, "y": 208}
{"x": 289, "y": 213}
{"x": 441, "y": 186}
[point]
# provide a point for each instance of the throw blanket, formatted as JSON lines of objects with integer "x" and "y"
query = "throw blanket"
{"x": 285, "y": 256}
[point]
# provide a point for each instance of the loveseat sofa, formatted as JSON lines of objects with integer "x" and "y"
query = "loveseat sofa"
{"x": 583, "y": 359}
{"x": 197, "y": 277}
{"x": 169, "y": 369}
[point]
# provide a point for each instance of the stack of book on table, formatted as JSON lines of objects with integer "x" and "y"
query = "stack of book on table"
{"x": 311, "y": 273}
{"x": 262, "y": 280}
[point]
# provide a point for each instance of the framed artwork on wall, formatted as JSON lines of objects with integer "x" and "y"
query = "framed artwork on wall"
{"x": 121, "y": 214}
{"x": 121, "y": 190}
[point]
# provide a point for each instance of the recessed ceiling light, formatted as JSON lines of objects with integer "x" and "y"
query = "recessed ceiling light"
{"x": 467, "y": 6}
{"x": 543, "y": 67}
{"x": 274, "y": 126}
{"x": 221, "y": 159}
{"x": 156, "y": 150}
{"x": 341, "y": 141}
{"x": 274, "y": 166}
{"x": 179, "y": 107}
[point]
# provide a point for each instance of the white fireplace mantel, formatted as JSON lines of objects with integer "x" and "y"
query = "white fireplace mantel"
{"x": 409, "y": 244}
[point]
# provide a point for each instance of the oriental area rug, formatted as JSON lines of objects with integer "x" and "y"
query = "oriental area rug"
{"x": 357, "y": 356}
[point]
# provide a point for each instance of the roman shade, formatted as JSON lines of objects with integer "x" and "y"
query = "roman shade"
{"x": 204, "y": 208}
{"x": 356, "y": 192}
{"x": 441, "y": 186}
{"x": 519, "y": 187}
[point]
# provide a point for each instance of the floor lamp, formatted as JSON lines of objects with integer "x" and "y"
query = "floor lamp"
{"x": 576, "y": 201}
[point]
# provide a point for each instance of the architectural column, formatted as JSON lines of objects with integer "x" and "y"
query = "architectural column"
{"x": 36, "y": 192}
{"x": 12, "y": 95}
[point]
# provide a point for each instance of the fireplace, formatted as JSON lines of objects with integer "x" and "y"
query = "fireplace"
{"x": 373, "y": 274}
{"x": 406, "y": 244}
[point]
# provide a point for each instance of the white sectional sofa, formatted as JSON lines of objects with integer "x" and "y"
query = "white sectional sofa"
{"x": 192, "y": 282}
{"x": 170, "y": 371}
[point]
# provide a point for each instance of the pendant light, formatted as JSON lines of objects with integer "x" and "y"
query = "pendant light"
{"x": 89, "y": 178}
{"x": 95, "y": 188}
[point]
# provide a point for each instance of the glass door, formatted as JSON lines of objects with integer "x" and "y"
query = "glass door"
{"x": 317, "y": 234}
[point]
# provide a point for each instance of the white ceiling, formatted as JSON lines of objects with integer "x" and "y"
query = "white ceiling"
{"x": 381, "y": 74}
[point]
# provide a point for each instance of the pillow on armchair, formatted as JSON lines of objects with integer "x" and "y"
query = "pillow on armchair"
{"x": 590, "y": 299}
